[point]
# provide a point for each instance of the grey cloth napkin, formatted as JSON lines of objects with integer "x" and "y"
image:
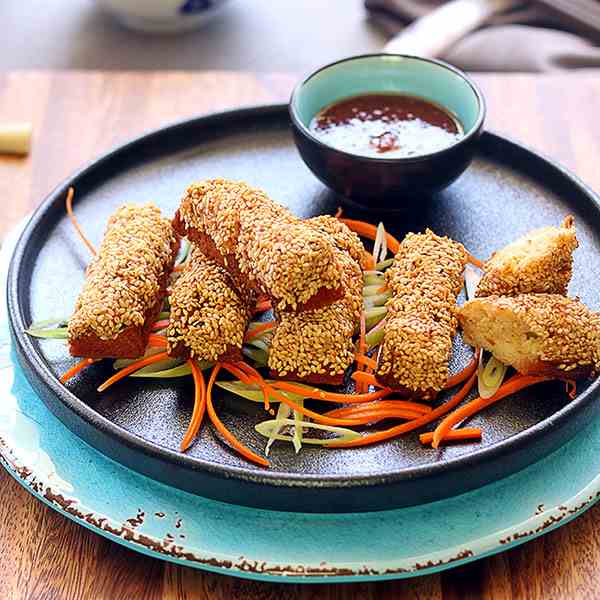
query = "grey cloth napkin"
{"x": 535, "y": 36}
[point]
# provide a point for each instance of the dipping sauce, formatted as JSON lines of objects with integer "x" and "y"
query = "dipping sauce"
{"x": 386, "y": 126}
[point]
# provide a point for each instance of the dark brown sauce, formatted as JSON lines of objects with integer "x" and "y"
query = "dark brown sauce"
{"x": 386, "y": 126}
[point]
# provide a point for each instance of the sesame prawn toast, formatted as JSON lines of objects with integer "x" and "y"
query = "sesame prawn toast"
{"x": 316, "y": 345}
{"x": 208, "y": 315}
{"x": 425, "y": 280}
{"x": 264, "y": 243}
{"x": 539, "y": 262}
{"x": 537, "y": 334}
{"x": 125, "y": 285}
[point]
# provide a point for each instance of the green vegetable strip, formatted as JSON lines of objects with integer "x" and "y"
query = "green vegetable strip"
{"x": 383, "y": 265}
{"x": 377, "y": 299}
{"x": 266, "y": 428}
{"x": 181, "y": 371}
{"x": 59, "y": 333}
{"x": 283, "y": 412}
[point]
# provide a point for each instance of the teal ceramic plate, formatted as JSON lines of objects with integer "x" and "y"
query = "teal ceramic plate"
{"x": 149, "y": 517}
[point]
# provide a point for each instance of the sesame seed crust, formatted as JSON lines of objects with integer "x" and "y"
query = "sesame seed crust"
{"x": 279, "y": 254}
{"x": 538, "y": 262}
{"x": 565, "y": 330}
{"x": 126, "y": 279}
{"x": 208, "y": 317}
{"x": 343, "y": 238}
{"x": 425, "y": 280}
{"x": 316, "y": 345}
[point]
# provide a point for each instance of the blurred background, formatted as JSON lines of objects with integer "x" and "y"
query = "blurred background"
{"x": 296, "y": 35}
{"x": 257, "y": 35}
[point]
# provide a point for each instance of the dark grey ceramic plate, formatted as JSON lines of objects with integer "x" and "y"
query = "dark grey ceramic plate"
{"x": 507, "y": 191}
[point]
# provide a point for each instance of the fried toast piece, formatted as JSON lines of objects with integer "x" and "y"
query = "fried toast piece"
{"x": 125, "y": 285}
{"x": 537, "y": 334}
{"x": 539, "y": 262}
{"x": 425, "y": 279}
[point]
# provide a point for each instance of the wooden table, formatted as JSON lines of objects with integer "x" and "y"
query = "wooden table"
{"x": 77, "y": 116}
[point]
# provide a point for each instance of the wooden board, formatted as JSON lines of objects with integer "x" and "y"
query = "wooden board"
{"x": 77, "y": 116}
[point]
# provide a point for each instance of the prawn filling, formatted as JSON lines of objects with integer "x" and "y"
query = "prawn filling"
{"x": 537, "y": 334}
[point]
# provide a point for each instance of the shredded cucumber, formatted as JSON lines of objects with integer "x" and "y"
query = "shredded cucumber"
{"x": 298, "y": 422}
{"x": 283, "y": 412}
{"x": 266, "y": 428}
{"x": 259, "y": 356}
{"x": 377, "y": 299}
{"x": 374, "y": 337}
{"x": 372, "y": 290}
{"x": 490, "y": 376}
{"x": 58, "y": 333}
{"x": 45, "y": 324}
{"x": 369, "y": 278}
{"x": 253, "y": 392}
{"x": 384, "y": 264}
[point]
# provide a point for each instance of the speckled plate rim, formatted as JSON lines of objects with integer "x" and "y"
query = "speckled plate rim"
{"x": 516, "y": 443}
{"x": 40, "y": 470}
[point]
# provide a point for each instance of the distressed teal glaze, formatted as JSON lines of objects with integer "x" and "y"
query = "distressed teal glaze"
{"x": 50, "y": 461}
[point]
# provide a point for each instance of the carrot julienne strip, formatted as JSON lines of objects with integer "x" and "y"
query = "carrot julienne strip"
{"x": 369, "y": 231}
{"x": 199, "y": 406}
{"x": 338, "y": 212}
{"x": 317, "y": 394}
{"x": 262, "y": 306}
{"x": 138, "y": 364}
{"x": 464, "y": 374}
{"x": 366, "y": 360}
{"x": 236, "y": 372}
{"x": 350, "y": 411}
{"x": 82, "y": 364}
{"x": 69, "y": 207}
{"x": 362, "y": 346}
{"x": 254, "y": 374}
{"x": 475, "y": 261}
{"x": 366, "y": 378}
{"x": 157, "y": 341}
{"x": 252, "y": 333}
{"x": 464, "y": 434}
{"x": 375, "y": 416}
{"x": 397, "y": 430}
{"x": 513, "y": 385}
{"x": 214, "y": 419}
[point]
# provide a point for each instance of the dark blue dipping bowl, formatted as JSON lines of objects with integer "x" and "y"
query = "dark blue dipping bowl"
{"x": 387, "y": 183}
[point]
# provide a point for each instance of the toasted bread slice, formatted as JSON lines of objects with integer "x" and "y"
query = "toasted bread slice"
{"x": 539, "y": 262}
{"x": 538, "y": 334}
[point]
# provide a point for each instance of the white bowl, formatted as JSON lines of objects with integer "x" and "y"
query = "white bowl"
{"x": 162, "y": 16}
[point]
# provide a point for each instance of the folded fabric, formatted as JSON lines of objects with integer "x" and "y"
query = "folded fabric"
{"x": 540, "y": 36}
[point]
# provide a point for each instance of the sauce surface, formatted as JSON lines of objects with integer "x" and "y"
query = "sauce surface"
{"x": 386, "y": 126}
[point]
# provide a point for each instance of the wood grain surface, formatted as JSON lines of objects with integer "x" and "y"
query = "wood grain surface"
{"x": 77, "y": 116}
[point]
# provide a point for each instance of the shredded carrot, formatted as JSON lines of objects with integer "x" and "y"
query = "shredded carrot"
{"x": 369, "y": 262}
{"x": 513, "y": 385}
{"x": 254, "y": 374}
{"x": 397, "y": 430}
{"x": 319, "y": 418}
{"x": 236, "y": 372}
{"x": 338, "y": 212}
{"x": 252, "y": 333}
{"x": 571, "y": 388}
{"x": 160, "y": 324}
{"x": 382, "y": 289}
{"x": 82, "y": 364}
{"x": 138, "y": 364}
{"x": 366, "y": 360}
{"x": 463, "y": 375}
{"x": 374, "y": 416}
{"x": 318, "y": 394}
{"x": 69, "y": 207}
{"x": 262, "y": 306}
{"x": 366, "y": 378}
{"x": 370, "y": 232}
{"x": 464, "y": 434}
{"x": 157, "y": 341}
{"x": 378, "y": 405}
{"x": 199, "y": 406}
{"x": 235, "y": 443}
{"x": 179, "y": 267}
{"x": 475, "y": 261}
